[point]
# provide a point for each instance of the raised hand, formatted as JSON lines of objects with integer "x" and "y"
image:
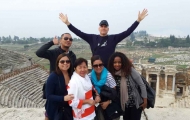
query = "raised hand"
{"x": 64, "y": 18}
{"x": 68, "y": 97}
{"x": 142, "y": 15}
{"x": 55, "y": 41}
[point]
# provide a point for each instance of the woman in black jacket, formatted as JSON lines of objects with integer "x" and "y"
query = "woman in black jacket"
{"x": 56, "y": 89}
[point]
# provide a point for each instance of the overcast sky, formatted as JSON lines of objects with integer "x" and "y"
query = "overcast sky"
{"x": 40, "y": 18}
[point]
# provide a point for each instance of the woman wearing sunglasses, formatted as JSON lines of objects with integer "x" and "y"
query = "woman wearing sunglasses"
{"x": 100, "y": 78}
{"x": 127, "y": 78}
{"x": 57, "y": 106}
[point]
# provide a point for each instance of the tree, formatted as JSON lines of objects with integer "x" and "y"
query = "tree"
{"x": 3, "y": 38}
{"x": 16, "y": 38}
{"x": 187, "y": 39}
{"x": 142, "y": 33}
{"x": 128, "y": 43}
{"x": 132, "y": 37}
{"x": 145, "y": 40}
{"x": 172, "y": 38}
{"x": 9, "y": 38}
{"x": 45, "y": 39}
{"x": 151, "y": 44}
{"x": 138, "y": 43}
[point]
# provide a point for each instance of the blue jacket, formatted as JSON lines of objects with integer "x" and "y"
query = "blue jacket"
{"x": 109, "y": 43}
{"x": 55, "y": 92}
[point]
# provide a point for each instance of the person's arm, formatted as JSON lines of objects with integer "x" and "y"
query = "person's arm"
{"x": 119, "y": 37}
{"x": 84, "y": 36}
{"x": 76, "y": 102}
{"x": 111, "y": 80}
{"x": 43, "y": 50}
{"x": 74, "y": 59}
{"x": 112, "y": 85}
{"x": 137, "y": 78}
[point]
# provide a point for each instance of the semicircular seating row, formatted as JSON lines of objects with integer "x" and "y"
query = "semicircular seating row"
{"x": 23, "y": 90}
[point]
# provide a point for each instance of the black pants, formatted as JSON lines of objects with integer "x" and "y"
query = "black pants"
{"x": 132, "y": 113}
{"x": 103, "y": 113}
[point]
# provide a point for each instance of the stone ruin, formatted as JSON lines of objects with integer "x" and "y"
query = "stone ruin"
{"x": 172, "y": 85}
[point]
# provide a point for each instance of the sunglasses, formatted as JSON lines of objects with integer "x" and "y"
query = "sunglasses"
{"x": 64, "y": 61}
{"x": 95, "y": 66}
{"x": 66, "y": 38}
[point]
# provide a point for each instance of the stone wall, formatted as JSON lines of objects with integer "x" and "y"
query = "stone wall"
{"x": 16, "y": 72}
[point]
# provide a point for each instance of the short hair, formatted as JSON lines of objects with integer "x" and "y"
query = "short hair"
{"x": 94, "y": 58}
{"x": 79, "y": 61}
{"x": 64, "y": 34}
{"x": 126, "y": 63}
{"x": 57, "y": 70}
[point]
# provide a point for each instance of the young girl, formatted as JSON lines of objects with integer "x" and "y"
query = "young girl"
{"x": 127, "y": 78}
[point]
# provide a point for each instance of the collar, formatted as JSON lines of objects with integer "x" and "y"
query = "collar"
{"x": 63, "y": 51}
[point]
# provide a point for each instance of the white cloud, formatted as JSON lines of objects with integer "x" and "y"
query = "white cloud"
{"x": 39, "y": 18}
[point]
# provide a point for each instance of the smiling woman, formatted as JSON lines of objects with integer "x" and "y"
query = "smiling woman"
{"x": 81, "y": 87}
{"x": 103, "y": 81}
{"x": 131, "y": 101}
{"x": 56, "y": 92}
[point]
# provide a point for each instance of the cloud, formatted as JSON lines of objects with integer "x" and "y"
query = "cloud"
{"x": 40, "y": 18}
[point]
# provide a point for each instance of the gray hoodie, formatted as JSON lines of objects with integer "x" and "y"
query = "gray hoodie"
{"x": 136, "y": 82}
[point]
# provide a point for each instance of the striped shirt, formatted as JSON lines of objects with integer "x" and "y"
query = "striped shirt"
{"x": 110, "y": 82}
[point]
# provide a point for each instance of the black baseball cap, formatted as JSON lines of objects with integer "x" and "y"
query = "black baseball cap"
{"x": 104, "y": 22}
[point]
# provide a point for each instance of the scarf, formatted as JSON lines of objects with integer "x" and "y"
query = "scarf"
{"x": 99, "y": 83}
{"x": 123, "y": 89}
{"x": 84, "y": 84}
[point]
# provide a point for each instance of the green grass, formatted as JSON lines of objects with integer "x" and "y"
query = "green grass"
{"x": 12, "y": 47}
{"x": 182, "y": 66}
{"x": 86, "y": 53}
{"x": 46, "y": 66}
{"x": 157, "y": 55}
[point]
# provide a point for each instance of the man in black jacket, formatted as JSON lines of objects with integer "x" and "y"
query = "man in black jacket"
{"x": 51, "y": 55}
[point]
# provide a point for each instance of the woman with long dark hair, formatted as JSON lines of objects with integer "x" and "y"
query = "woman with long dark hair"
{"x": 57, "y": 106}
{"x": 127, "y": 79}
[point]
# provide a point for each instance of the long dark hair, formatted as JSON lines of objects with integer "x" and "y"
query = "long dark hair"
{"x": 126, "y": 64}
{"x": 57, "y": 70}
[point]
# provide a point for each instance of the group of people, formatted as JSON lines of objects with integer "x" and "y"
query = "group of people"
{"x": 107, "y": 92}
